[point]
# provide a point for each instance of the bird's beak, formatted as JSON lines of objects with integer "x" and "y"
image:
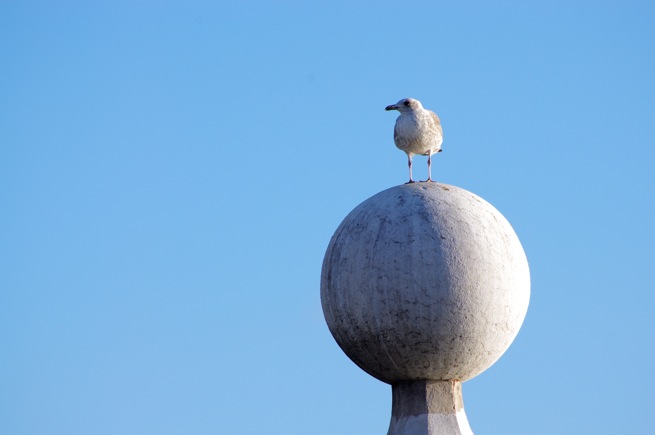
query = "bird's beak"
{"x": 392, "y": 107}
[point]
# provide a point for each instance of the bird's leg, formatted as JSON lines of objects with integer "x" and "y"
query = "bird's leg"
{"x": 429, "y": 167}
{"x": 409, "y": 163}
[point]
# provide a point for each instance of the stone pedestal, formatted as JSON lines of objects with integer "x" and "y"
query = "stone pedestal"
{"x": 428, "y": 407}
{"x": 424, "y": 286}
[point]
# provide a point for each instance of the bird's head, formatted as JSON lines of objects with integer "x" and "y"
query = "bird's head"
{"x": 405, "y": 105}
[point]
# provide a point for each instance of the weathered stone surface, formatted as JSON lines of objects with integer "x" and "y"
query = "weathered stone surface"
{"x": 428, "y": 407}
{"x": 424, "y": 281}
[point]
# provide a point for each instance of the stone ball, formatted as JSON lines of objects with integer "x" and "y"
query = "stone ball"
{"x": 424, "y": 281}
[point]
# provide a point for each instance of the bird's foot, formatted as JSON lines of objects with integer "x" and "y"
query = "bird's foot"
{"x": 429, "y": 180}
{"x": 410, "y": 182}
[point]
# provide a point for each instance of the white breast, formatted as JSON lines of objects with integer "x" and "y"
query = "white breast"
{"x": 418, "y": 133}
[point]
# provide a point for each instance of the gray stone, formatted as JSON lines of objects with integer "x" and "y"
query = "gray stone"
{"x": 428, "y": 407}
{"x": 424, "y": 281}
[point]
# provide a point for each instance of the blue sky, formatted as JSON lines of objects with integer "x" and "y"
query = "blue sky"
{"x": 171, "y": 174}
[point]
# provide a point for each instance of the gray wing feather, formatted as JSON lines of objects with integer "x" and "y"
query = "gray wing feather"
{"x": 435, "y": 118}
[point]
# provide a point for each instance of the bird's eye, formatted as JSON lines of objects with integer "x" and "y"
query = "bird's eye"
{"x": 406, "y": 103}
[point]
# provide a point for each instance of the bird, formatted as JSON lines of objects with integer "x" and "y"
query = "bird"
{"x": 417, "y": 132}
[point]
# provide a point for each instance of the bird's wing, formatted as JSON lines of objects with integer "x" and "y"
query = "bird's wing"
{"x": 435, "y": 118}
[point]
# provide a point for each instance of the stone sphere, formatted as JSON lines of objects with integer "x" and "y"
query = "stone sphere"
{"x": 424, "y": 281}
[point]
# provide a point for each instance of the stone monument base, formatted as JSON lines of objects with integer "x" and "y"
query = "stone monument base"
{"x": 428, "y": 408}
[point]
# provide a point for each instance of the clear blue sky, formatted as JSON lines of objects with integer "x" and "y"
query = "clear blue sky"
{"x": 171, "y": 174}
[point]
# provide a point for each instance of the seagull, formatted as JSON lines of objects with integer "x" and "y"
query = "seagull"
{"x": 417, "y": 132}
